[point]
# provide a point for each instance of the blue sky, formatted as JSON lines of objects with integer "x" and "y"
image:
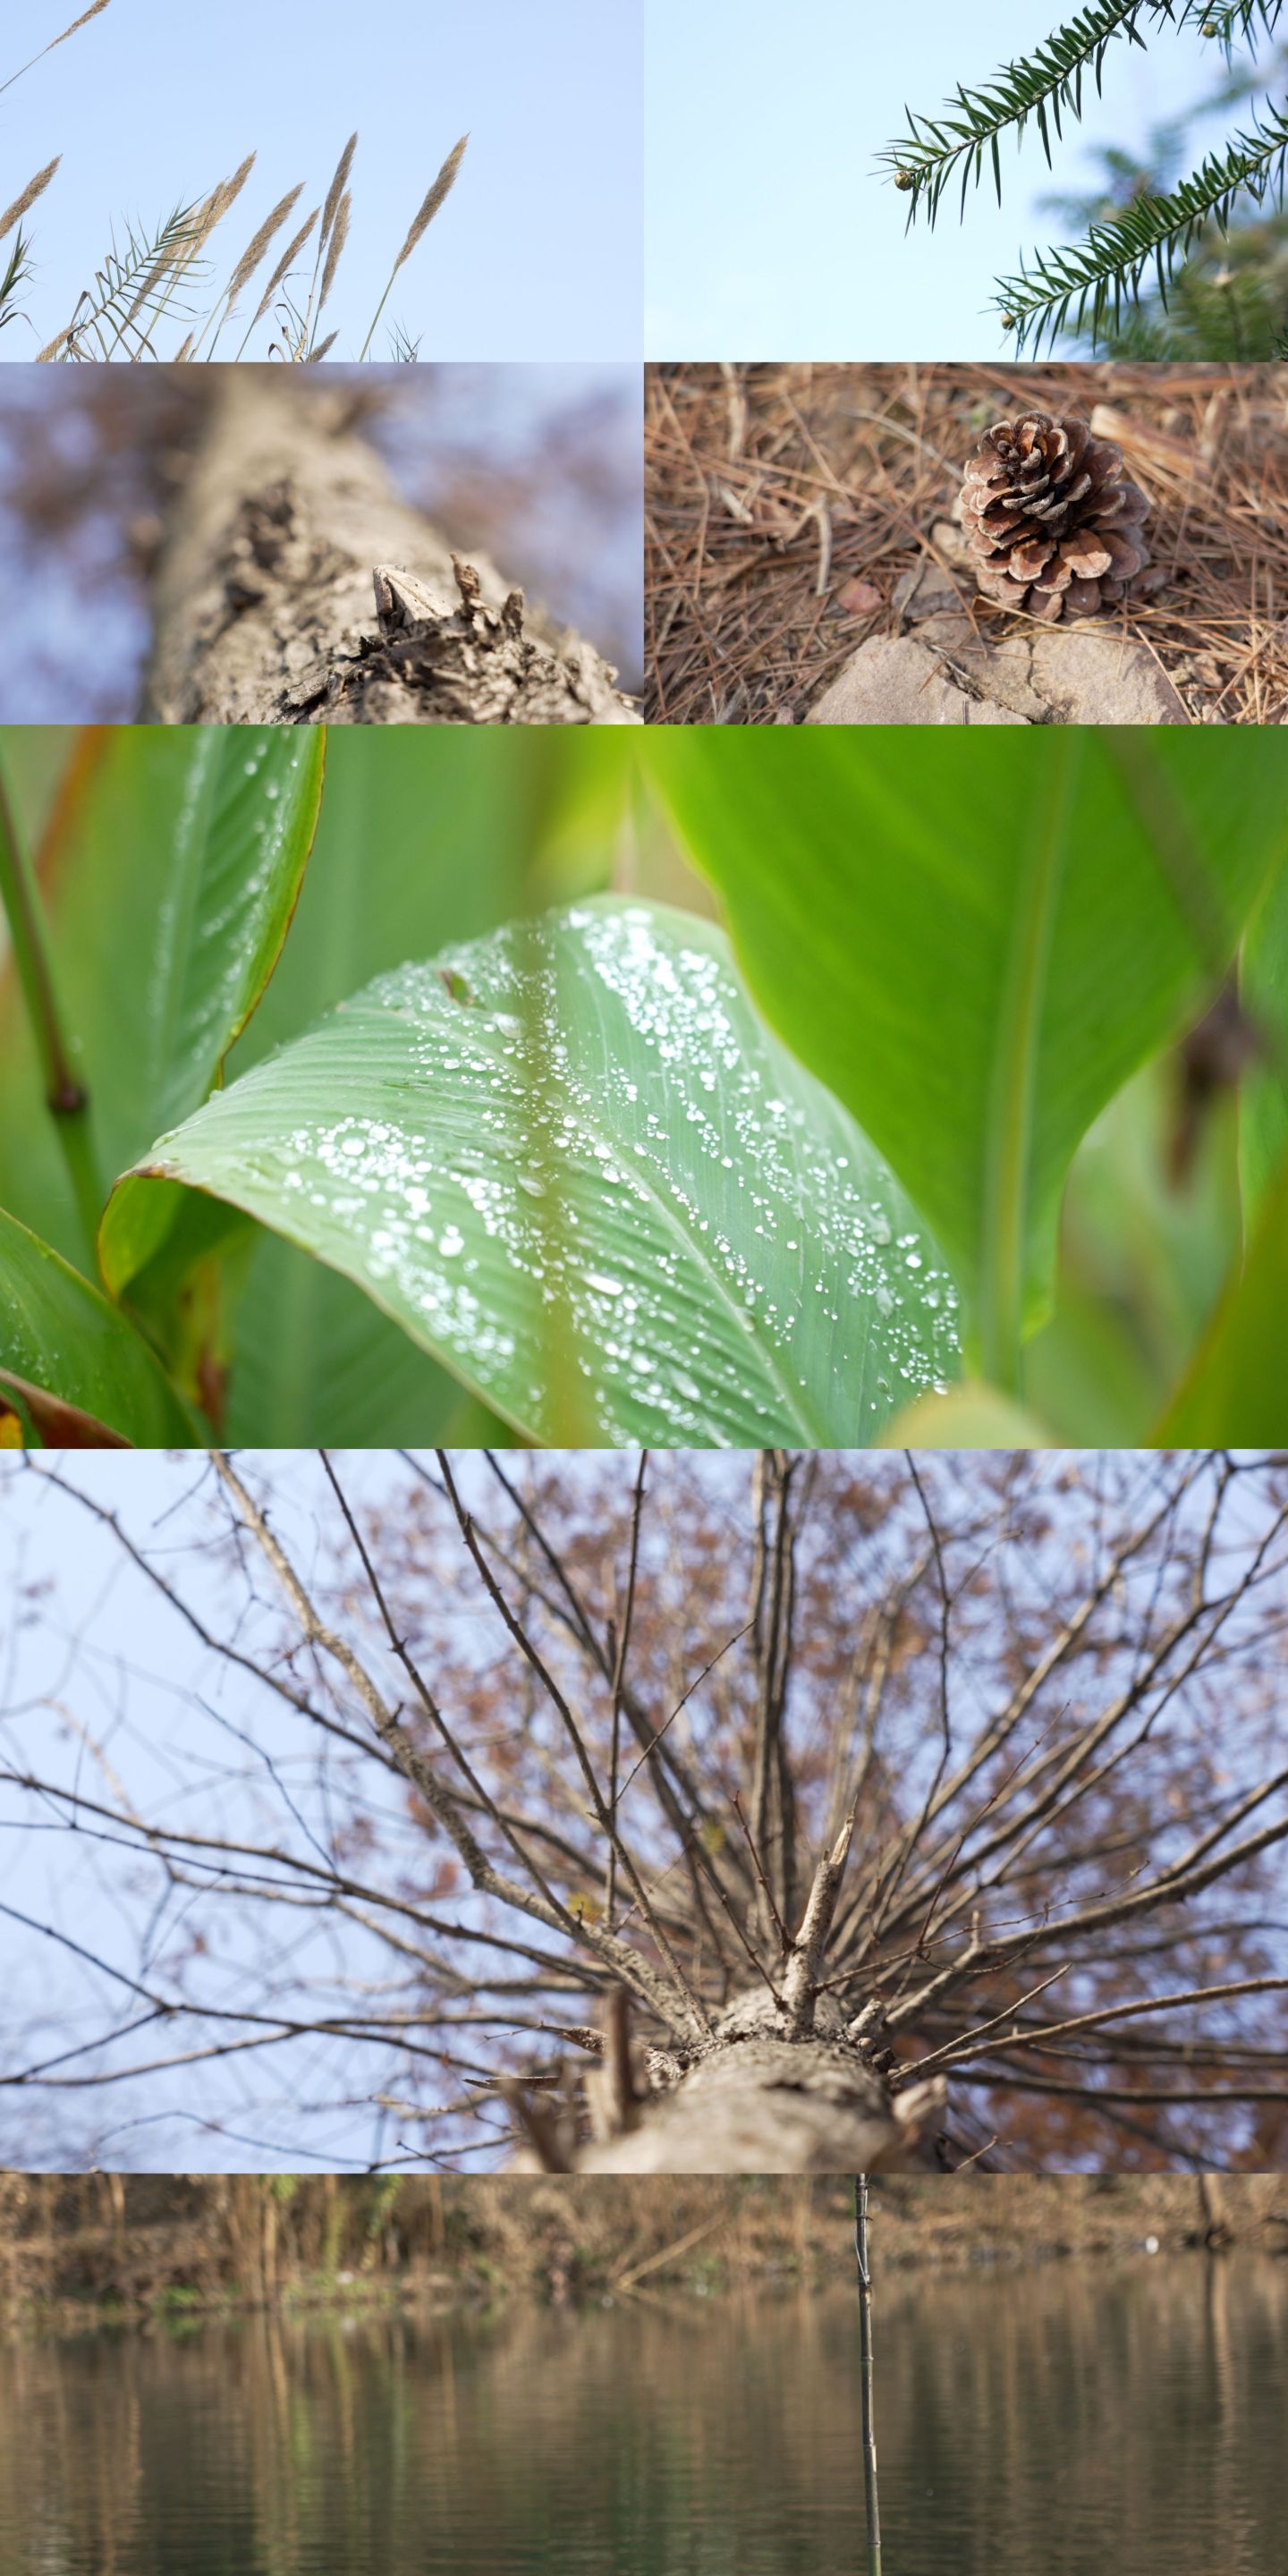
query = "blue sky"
{"x": 535, "y": 256}
{"x": 769, "y": 236}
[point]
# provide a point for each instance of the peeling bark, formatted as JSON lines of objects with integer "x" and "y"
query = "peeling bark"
{"x": 265, "y": 606}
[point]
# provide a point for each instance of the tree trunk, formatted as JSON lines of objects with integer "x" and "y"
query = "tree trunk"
{"x": 748, "y": 2102}
{"x": 266, "y": 603}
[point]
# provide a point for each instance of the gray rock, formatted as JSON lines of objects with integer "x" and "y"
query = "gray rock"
{"x": 1092, "y": 675}
{"x": 947, "y": 673}
{"x": 1000, "y": 671}
{"x": 894, "y": 680}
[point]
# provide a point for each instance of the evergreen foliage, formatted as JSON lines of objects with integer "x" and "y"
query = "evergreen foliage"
{"x": 1206, "y": 247}
{"x": 1228, "y": 298}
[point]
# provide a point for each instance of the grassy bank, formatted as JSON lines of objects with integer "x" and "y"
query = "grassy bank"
{"x": 75, "y": 2248}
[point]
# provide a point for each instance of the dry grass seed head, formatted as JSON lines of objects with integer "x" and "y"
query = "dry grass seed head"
{"x": 316, "y": 355}
{"x": 289, "y": 255}
{"x": 338, "y": 239}
{"x": 255, "y": 249}
{"x": 337, "y": 189}
{"x": 82, "y": 21}
{"x": 35, "y": 188}
{"x": 441, "y": 189}
{"x": 213, "y": 208}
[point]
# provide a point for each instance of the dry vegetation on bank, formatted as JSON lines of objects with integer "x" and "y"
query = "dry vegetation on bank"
{"x": 785, "y": 502}
{"x": 139, "y": 2247}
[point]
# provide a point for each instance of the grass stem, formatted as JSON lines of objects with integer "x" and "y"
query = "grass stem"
{"x": 441, "y": 188}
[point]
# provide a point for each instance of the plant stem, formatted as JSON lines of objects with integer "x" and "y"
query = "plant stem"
{"x": 65, "y": 1095}
{"x": 871, "y": 2506}
{"x": 378, "y": 311}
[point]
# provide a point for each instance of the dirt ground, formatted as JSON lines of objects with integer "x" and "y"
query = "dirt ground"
{"x": 785, "y": 504}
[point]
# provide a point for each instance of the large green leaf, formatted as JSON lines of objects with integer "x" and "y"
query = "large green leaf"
{"x": 426, "y": 835}
{"x": 1236, "y": 1393}
{"x": 104, "y": 864}
{"x": 571, "y": 1159}
{"x": 977, "y": 942}
{"x": 60, "y": 1336}
{"x": 1145, "y": 1251}
{"x": 249, "y": 814}
{"x": 175, "y": 864}
{"x": 1263, "y": 1100}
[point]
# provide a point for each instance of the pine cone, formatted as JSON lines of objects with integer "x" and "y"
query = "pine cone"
{"x": 1053, "y": 521}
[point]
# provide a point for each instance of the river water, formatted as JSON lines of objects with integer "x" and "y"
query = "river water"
{"x": 1056, "y": 2422}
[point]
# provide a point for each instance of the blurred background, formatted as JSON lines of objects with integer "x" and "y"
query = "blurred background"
{"x": 539, "y": 466}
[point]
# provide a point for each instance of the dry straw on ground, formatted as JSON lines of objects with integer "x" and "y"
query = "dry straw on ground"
{"x": 784, "y": 503}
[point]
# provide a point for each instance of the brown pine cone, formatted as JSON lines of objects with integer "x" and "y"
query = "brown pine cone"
{"x": 1054, "y": 523}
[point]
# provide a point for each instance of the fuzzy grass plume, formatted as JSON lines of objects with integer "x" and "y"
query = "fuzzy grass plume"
{"x": 153, "y": 277}
{"x": 441, "y": 188}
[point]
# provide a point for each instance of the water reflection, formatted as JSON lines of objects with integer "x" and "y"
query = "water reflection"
{"x": 1048, "y": 2423}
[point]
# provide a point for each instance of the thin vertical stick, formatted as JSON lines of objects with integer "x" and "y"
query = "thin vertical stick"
{"x": 871, "y": 2506}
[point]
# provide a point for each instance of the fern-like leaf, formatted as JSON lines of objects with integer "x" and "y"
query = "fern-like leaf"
{"x": 934, "y": 148}
{"x": 16, "y": 273}
{"x": 131, "y": 289}
{"x": 1082, "y": 287}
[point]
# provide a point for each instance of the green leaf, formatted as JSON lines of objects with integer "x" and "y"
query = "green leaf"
{"x": 976, "y": 947}
{"x": 60, "y": 1338}
{"x": 249, "y": 814}
{"x": 1236, "y": 1393}
{"x": 169, "y": 876}
{"x": 1263, "y": 1096}
{"x": 597, "y": 1187}
{"x": 427, "y": 834}
{"x": 1145, "y": 1250}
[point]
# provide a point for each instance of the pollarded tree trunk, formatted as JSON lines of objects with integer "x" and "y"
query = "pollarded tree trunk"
{"x": 780, "y": 2083}
{"x": 752, "y": 2101}
{"x": 266, "y": 595}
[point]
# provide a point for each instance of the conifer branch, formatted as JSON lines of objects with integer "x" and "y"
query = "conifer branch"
{"x": 1043, "y": 90}
{"x": 1084, "y": 287}
{"x": 1232, "y": 21}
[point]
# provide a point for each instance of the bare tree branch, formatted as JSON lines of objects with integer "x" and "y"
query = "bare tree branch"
{"x": 728, "y": 1809}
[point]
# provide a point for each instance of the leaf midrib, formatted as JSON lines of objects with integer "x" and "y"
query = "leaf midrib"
{"x": 819, "y": 1431}
{"x": 1012, "y": 1085}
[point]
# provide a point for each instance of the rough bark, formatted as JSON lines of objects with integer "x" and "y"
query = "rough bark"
{"x": 750, "y": 2101}
{"x": 265, "y": 606}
